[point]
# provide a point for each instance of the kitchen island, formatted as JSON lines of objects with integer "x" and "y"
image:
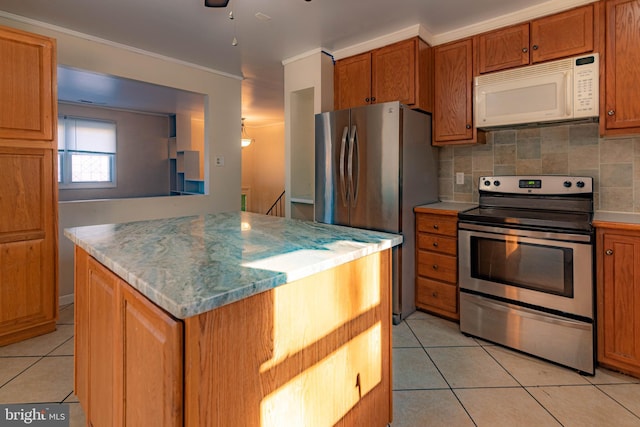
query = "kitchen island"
{"x": 233, "y": 319}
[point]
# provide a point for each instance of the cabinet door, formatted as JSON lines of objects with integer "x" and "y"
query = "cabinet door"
{"x": 102, "y": 311}
{"x": 28, "y": 244}
{"x": 148, "y": 363}
{"x": 504, "y": 48}
{"x": 453, "y": 69}
{"x": 563, "y": 34}
{"x": 27, "y": 87}
{"x": 622, "y": 100}
{"x": 394, "y": 73}
{"x": 352, "y": 81}
{"x": 619, "y": 297}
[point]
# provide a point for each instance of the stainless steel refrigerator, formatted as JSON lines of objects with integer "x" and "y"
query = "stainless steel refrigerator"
{"x": 374, "y": 164}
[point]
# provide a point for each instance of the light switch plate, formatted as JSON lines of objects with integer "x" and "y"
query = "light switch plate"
{"x": 459, "y": 178}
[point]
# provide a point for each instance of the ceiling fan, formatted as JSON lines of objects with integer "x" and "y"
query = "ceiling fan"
{"x": 216, "y": 3}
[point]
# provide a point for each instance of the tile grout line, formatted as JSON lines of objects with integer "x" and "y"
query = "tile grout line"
{"x": 442, "y": 375}
{"x": 521, "y": 386}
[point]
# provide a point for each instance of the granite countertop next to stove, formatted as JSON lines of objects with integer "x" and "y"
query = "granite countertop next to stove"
{"x": 446, "y": 206}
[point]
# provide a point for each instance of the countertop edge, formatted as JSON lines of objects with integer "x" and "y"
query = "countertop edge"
{"x": 191, "y": 308}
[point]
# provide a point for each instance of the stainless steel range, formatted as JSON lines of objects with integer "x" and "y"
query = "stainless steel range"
{"x": 526, "y": 267}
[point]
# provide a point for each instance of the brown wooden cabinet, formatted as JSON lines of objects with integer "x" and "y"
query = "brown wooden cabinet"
{"x": 128, "y": 352}
{"x": 272, "y": 357}
{"x": 27, "y": 87}
{"x": 398, "y": 72}
{"x": 556, "y": 36}
{"x": 352, "y": 81}
{"x": 437, "y": 262}
{"x": 618, "y": 297}
{"x": 28, "y": 204}
{"x": 454, "y": 68}
{"x": 620, "y": 111}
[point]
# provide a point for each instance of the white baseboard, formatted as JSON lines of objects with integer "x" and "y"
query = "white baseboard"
{"x": 65, "y": 300}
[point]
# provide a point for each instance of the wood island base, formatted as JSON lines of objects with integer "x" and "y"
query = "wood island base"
{"x": 312, "y": 352}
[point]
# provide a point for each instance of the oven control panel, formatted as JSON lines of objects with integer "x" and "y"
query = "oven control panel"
{"x": 536, "y": 184}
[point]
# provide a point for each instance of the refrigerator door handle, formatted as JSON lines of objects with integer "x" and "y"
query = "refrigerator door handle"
{"x": 353, "y": 178}
{"x": 343, "y": 151}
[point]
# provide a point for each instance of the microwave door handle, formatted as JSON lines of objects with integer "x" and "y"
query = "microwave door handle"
{"x": 353, "y": 181}
{"x": 342, "y": 165}
{"x": 568, "y": 94}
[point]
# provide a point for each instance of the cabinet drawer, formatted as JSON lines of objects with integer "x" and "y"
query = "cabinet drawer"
{"x": 438, "y": 224}
{"x": 438, "y": 266}
{"x": 437, "y": 243}
{"x": 436, "y": 294}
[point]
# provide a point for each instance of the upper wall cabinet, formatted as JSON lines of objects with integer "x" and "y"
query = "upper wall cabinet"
{"x": 552, "y": 37}
{"x": 454, "y": 66}
{"x": 620, "y": 112}
{"x": 352, "y": 81}
{"x": 398, "y": 72}
{"x": 27, "y": 87}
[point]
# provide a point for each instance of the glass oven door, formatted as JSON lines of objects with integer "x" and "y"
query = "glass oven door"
{"x": 548, "y": 270}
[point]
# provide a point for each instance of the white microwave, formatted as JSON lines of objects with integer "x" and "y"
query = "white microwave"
{"x": 556, "y": 91}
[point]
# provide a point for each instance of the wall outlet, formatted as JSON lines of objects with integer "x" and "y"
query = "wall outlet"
{"x": 459, "y": 178}
{"x": 219, "y": 160}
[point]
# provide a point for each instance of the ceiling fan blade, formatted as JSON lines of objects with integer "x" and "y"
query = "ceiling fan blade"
{"x": 216, "y": 3}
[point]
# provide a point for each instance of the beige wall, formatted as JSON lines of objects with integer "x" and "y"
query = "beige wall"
{"x": 263, "y": 166}
{"x": 222, "y": 133}
{"x": 142, "y": 161}
{"x": 570, "y": 149}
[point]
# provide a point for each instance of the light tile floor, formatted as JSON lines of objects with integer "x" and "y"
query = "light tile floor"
{"x": 40, "y": 370}
{"x": 440, "y": 378}
{"x": 443, "y": 378}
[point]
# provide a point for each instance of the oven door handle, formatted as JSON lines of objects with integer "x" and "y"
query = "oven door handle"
{"x": 567, "y": 237}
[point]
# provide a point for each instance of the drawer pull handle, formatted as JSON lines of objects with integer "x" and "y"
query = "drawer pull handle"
{"x": 435, "y": 244}
{"x": 435, "y": 266}
{"x": 609, "y": 252}
{"x": 435, "y": 226}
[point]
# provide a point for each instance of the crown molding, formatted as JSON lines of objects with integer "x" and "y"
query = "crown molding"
{"x": 110, "y": 43}
{"x": 533, "y": 12}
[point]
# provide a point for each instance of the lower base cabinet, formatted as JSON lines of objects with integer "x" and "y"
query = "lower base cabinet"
{"x": 618, "y": 297}
{"x": 437, "y": 262}
{"x": 313, "y": 352}
{"x": 129, "y": 355}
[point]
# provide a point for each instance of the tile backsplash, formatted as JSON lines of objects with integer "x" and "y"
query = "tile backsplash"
{"x": 570, "y": 149}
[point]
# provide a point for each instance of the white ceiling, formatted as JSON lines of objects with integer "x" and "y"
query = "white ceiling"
{"x": 188, "y": 31}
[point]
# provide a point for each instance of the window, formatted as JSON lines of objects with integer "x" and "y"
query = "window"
{"x": 86, "y": 153}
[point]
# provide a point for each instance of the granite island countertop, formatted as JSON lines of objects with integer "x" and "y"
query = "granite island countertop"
{"x": 190, "y": 265}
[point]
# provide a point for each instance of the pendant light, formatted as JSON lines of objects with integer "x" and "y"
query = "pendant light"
{"x": 246, "y": 140}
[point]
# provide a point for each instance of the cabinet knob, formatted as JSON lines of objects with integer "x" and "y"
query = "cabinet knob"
{"x": 435, "y": 266}
{"x": 373, "y": 99}
{"x": 525, "y": 50}
{"x": 434, "y": 294}
{"x": 468, "y": 126}
{"x": 435, "y": 226}
{"x": 611, "y": 112}
{"x": 435, "y": 244}
{"x": 534, "y": 47}
{"x": 609, "y": 252}
{"x": 366, "y": 100}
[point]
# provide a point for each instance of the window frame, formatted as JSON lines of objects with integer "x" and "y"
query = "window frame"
{"x": 65, "y": 159}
